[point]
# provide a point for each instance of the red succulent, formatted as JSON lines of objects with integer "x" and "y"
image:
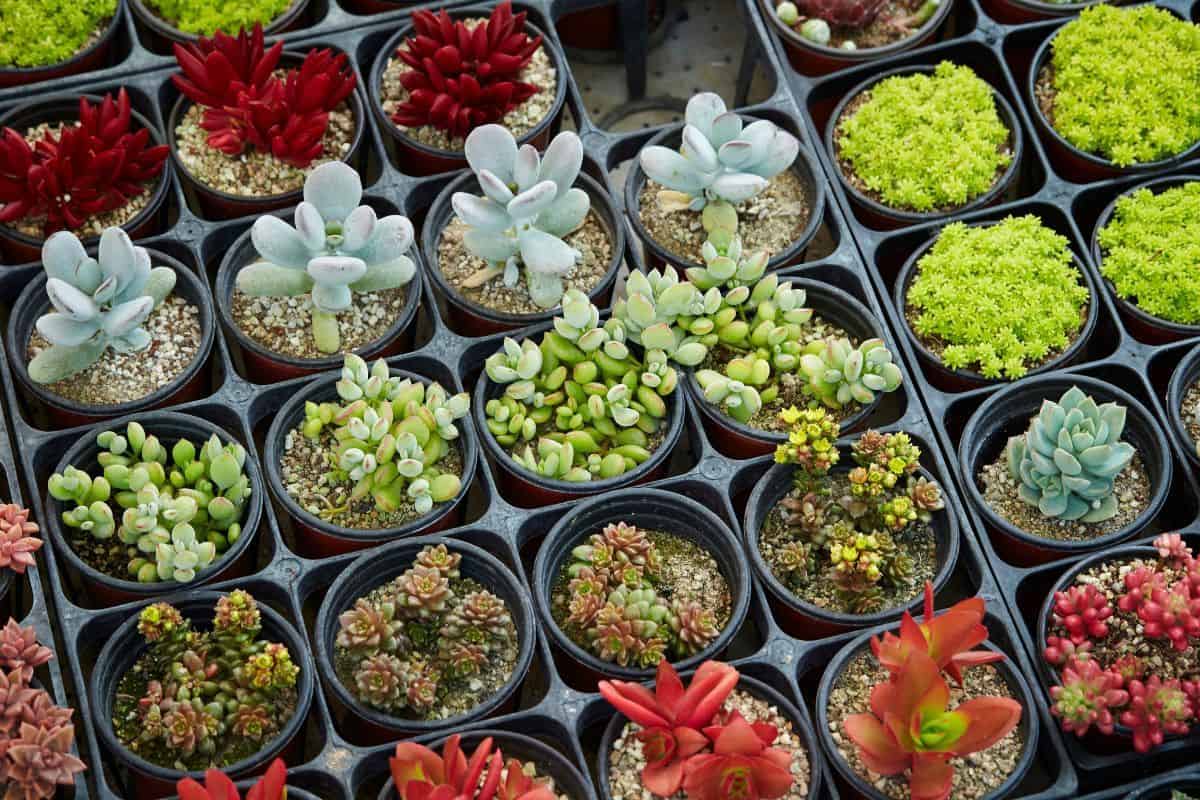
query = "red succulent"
{"x": 1139, "y": 585}
{"x": 19, "y": 649}
{"x": 1060, "y": 650}
{"x": 1086, "y": 697}
{"x": 741, "y": 766}
{"x": 1081, "y": 611}
{"x": 1156, "y": 708}
{"x": 1172, "y": 547}
{"x": 215, "y": 71}
{"x": 421, "y": 774}
{"x": 17, "y": 542}
{"x": 218, "y": 786}
{"x": 1172, "y": 614}
{"x": 461, "y": 77}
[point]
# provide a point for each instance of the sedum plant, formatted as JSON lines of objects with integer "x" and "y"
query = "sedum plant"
{"x": 336, "y": 249}
{"x": 529, "y": 204}
{"x": 1067, "y": 460}
{"x": 419, "y": 773}
{"x": 206, "y": 17}
{"x": 180, "y": 509}
{"x": 99, "y": 303}
{"x": 28, "y": 41}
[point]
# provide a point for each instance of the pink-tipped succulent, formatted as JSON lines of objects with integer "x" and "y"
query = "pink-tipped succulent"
{"x": 1172, "y": 547}
{"x": 17, "y": 540}
{"x": 1087, "y": 697}
{"x": 1140, "y": 583}
{"x": 1082, "y": 611}
{"x": 1059, "y": 650}
{"x": 19, "y": 649}
{"x": 1156, "y": 708}
{"x": 1171, "y": 614}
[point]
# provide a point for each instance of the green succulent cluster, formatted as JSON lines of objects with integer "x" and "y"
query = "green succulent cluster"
{"x": 35, "y": 33}
{"x": 205, "y": 698}
{"x": 1125, "y": 83}
{"x": 926, "y": 142}
{"x": 1151, "y": 247}
{"x": 180, "y": 509}
{"x": 204, "y": 17}
{"x": 852, "y": 535}
{"x": 387, "y": 437}
{"x": 998, "y": 298}
{"x": 416, "y": 640}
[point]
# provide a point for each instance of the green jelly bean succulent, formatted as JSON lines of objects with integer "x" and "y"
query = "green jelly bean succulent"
{"x": 179, "y": 509}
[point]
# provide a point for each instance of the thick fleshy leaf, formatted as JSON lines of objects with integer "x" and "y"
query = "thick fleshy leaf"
{"x": 562, "y": 161}
{"x": 392, "y": 239}
{"x": 280, "y": 243}
{"x": 663, "y": 779}
{"x": 311, "y": 227}
{"x": 545, "y": 254}
{"x": 388, "y": 275}
{"x": 265, "y": 279}
{"x": 706, "y": 693}
{"x": 989, "y": 719}
{"x": 117, "y": 255}
{"x": 63, "y": 257}
{"x": 526, "y": 167}
{"x": 358, "y": 228}
{"x": 330, "y": 271}
{"x": 480, "y": 212}
{"x": 415, "y": 762}
{"x": 545, "y": 288}
{"x": 672, "y": 170}
{"x": 160, "y": 284}
{"x": 70, "y": 301}
{"x": 931, "y": 778}
{"x": 702, "y": 109}
{"x": 494, "y": 247}
{"x": 59, "y": 363}
{"x": 532, "y": 201}
{"x": 737, "y": 154}
{"x": 60, "y": 329}
{"x": 781, "y": 151}
{"x": 334, "y": 188}
{"x": 127, "y": 316}
{"x": 738, "y": 187}
{"x": 493, "y": 148}
{"x": 494, "y": 188}
{"x": 566, "y": 214}
{"x": 331, "y": 299}
{"x": 698, "y": 150}
{"x": 636, "y": 702}
{"x": 726, "y": 128}
{"x": 876, "y": 745}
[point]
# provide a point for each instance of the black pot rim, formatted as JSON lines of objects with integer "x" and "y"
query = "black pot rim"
{"x": 105, "y": 39}
{"x": 739, "y": 606}
{"x": 326, "y": 628}
{"x": 34, "y": 296}
{"x": 160, "y": 26}
{"x": 1156, "y": 186}
{"x": 1150, "y": 788}
{"x": 225, "y": 282}
{"x": 1013, "y": 676}
{"x": 908, "y": 273}
{"x": 293, "y": 792}
{"x": 1062, "y": 9}
{"x": 864, "y": 54}
{"x": 284, "y": 423}
{"x": 1001, "y": 184}
{"x": 116, "y": 644}
{"x": 804, "y": 167}
{"x": 251, "y": 523}
{"x": 431, "y": 234}
{"x": 42, "y": 109}
{"x": 786, "y": 708}
{"x": 1182, "y": 379}
{"x": 389, "y": 48}
{"x": 976, "y": 426}
{"x": 291, "y": 197}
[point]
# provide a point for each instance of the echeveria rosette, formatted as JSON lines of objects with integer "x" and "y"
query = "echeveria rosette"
{"x": 99, "y": 303}
{"x": 529, "y": 204}
{"x": 337, "y": 248}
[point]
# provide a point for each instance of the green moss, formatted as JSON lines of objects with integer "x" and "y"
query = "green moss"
{"x": 36, "y": 33}
{"x": 925, "y": 142}
{"x": 206, "y": 16}
{"x": 1126, "y": 83}
{"x": 1151, "y": 252}
{"x": 999, "y": 298}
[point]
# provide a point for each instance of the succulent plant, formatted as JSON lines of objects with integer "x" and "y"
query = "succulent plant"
{"x": 336, "y": 249}
{"x": 218, "y": 786}
{"x": 812, "y": 19}
{"x": 839, "y": 373}
{"x": 528, "y": 205}
{"x": 1156, "y": 708}
{"x": 1086, "y": 698}
{"x": 17, "y": 540}
{"x": 1065, "y": 464}
{"x": 419, "y": 772}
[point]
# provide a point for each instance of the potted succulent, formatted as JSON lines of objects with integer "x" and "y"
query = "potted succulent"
{"x": 1096, "y": 112}
{"x": 1062, "y": 464}
{"x": 509, "y": 74}
{"x": 581, "y": 412}
{"x": 1118, "y": 635}
{"x": 424, "y": 636}
{"x": 720, "y": 170}
{"x": 922, "y": 715}
{"x": 213, "y": 681}
{"x": 369, "y": 456}
{"x": 80, "y": 166}
{"x": 1141, "y": 242}
{"x": 219, "y": 786}
{"x": 984, "y": 303}
{"x": 169, "y": 22}
{"x": 1183, "y": 406}
{"x": 95, "y": 337}
{"x": 502, "y": 259}
{"x": 1016, "y": 12}
{"x": 45, "y": 39}
{"x": 723, "y": 729}
{"x": 297, "y": 299}
{"x": 251, "y": 122}
{"x": 18, "y": 544}
{"x": 629, "y": 579}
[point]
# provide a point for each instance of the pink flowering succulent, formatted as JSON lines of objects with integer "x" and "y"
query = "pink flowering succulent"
{"x": 1082, "y": 611}
{"x": 1086, "y": 697}
{"x": 17, "y": 541}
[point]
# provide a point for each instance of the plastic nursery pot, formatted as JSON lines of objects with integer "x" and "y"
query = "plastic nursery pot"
{"x": 528, "y": 490}
{"x": 1007, "y": 413}
{"x": 110, "y": 590}
{"x": 92, "y": 57}
{"x": 21, "y": 247}
{"x": 265, "y": 365}
{"x": 878, "y": 215}
{"x": 656, "y": 255}
{"x": 317, "y": 538}
{"x": 217, "y": 204}
{"x": 1161, "y": 788}
{"x": 417, "y": 158}
{"x": 1146, "y": 327}
{"x": 380, "y": 566}
{"x": 477, "y": 320}
{"x": 809, "y": 58}
{"x": 650, "y": 509}
{"x": 1185, "y": 375}
{"x": 965, "y": 379}
{"x": 65, "y": 413}
{"x": 569, "y": 782}
{"x": 597, "y": 30}
{"x": 859, "y": 787}
{"x": 374, "y": 6}
{"x": 762, "y": 691}
{"x": 742, "y": 441}
{"x": 1071, "y": 162}
{"x": 1016, "y": 12}
{"x": 802, "y": 619}
{"x": 126, "y": 646}
{"x": 292, "y": 792}
{"x": 161, "y": 34}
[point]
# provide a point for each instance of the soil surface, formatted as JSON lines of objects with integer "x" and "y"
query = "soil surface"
{"x": 1190, "y": 412}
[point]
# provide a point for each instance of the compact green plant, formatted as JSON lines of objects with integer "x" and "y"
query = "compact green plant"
{"x": 1150, "y": 250}
{"x": 36, "y": 33}
{"x": 999, "y": 298}
{"x": 205, "y": 17}
{"x": 926, "y": 142}
{"x": 1125, "y": 82}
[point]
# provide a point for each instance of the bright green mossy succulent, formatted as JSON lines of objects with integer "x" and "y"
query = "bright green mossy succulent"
{"x": 27, "y": 40}
{"x": 203, "y": 17}
{"x": 999, "y": 297}
{"x": 926, "y": 142}
{"x": 1126, "y": 83}
{"x": 1151, "y": 248}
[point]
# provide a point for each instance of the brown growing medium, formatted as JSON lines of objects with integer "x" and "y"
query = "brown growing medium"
{"x": 1189, "y": 411}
